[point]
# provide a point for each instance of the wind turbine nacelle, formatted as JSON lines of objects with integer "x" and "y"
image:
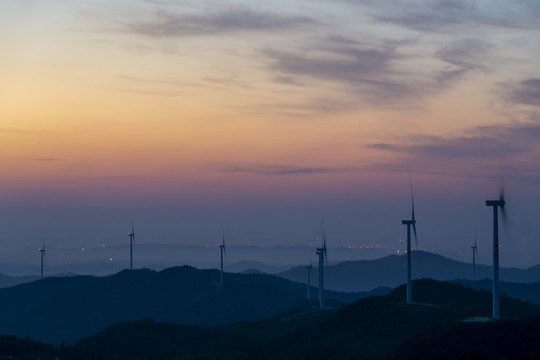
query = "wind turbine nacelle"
{"x": 408, "y": 222}
{"x": 500, "y": 203}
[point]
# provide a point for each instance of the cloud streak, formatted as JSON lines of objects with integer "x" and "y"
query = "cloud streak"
{"x": 375, "y": 73}
{"x": 167, "y": 24}
{"x": 367, "y": 72}
{"x": 526, "y": 92}
{"x": 476, "y": 149}
{"x": 274, "y": 169}
{"x": 441, "y": 15}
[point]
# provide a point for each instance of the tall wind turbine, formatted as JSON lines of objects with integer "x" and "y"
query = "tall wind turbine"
{"x": 42, "y": 253}
{"x": 474, "y": 254}
{"x": 410, "y": 223}
{"x": 322, "y": 257}
{"x": 309, "y": 268}
{"x": 222, "y": 252}
{"x": 496, "y": 204}
{"x": 131, "y": 242}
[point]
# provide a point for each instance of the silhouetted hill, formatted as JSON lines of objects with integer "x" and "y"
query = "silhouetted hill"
{"x": 390, "y": 271}
{"x": 379, "y": 327}
{"x": 509, "y": 339}
{"x": 523, "y": 291}
{"x": 70, "y": 308}
{"x": 15, "y": 348}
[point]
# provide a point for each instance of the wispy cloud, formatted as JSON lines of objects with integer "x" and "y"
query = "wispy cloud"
{"x": 366, "y": 71}
{"x": 465, "y": 53}
{"x": 274, "y": 169}
{"x": 473, "y": 149}
{"x": 166, "y": 24}
{"x": 440, "y": 15}
{"x": 375, "y": 73}
{"x": 349, "y": 64}
{"x": 461, "y": 56}
{"x": 525, "y": 92}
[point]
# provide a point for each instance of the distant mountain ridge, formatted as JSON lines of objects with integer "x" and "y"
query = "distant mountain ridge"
{"x": 7, "y": 281}
{"x": 390, "y": 271}
{"x": 69, "y": 308}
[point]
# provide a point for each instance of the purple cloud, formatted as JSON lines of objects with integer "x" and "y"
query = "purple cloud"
{"x": 168, "y": 24}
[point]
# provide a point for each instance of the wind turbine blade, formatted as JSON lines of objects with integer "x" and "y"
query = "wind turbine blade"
{"x": 502, "y": 200}
{"x": 412, "y": 203}
{"x": 415, "y": 238}
{"x": 224, "y": 247}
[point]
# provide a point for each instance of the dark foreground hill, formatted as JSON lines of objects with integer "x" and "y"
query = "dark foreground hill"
{"x": 390, "y": 271}
{"x": 509, "y": 339}
{"x": 380, "y": 327}
{"x": 523, "y": 291}
{"x": 69, "y": 308}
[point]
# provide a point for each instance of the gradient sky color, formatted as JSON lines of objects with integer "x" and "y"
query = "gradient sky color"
{"x": 268, "y": 118}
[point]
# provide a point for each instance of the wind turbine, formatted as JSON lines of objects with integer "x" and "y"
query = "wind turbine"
{"x": 409, "y": 223}
{"x": 496, "y": 204}
{"x": 322, "y": 257}
{"x": 309, "y": 268}
{"x": 474, "y": 254}
{"x": 131, "y": 242}
{"x": 42, "y": 253}
{"x": 223, "y": 252}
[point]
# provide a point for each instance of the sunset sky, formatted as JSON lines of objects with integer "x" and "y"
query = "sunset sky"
{"x": 269, "y": 118}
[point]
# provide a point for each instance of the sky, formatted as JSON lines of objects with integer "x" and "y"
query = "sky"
{"x": 269, "y": 120}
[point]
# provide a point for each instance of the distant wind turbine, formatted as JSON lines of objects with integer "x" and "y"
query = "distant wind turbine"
{"x": 222, "y": 252}
{"x": 322, "y": 258}
{"x": 309, "y": 268}
{"x": 409, "y": 223}
{"x": 42, "y": 253}
{"x": 474, "y": 254}
{"x": 131, "y": 243}
{"x": 496, "y": 204}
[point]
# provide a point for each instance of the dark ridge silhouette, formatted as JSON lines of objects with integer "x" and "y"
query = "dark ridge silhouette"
{"x": 14, "y": 348}
{"x": 379, "y": 327}
{"x": 523, "y": 291}
{"x": 509, "y": 339}
{"x": 70, "y": 308}
{"x": 390, "y": 271}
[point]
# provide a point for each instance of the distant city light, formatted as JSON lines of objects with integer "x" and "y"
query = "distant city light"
{"x": 362, "y": 246}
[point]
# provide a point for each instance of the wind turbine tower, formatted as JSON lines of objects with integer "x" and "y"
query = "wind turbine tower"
{"x": 496, "y": 204}
{"x": 410, "y": 223}
{"x": 42, "y": 253}
{"x": 474, "y": 254}
{"x": 131, "y": 242}
{"x": 222, "y": 252}
{"x": 309, "y": 268}
{"x": 322, "y": 257}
